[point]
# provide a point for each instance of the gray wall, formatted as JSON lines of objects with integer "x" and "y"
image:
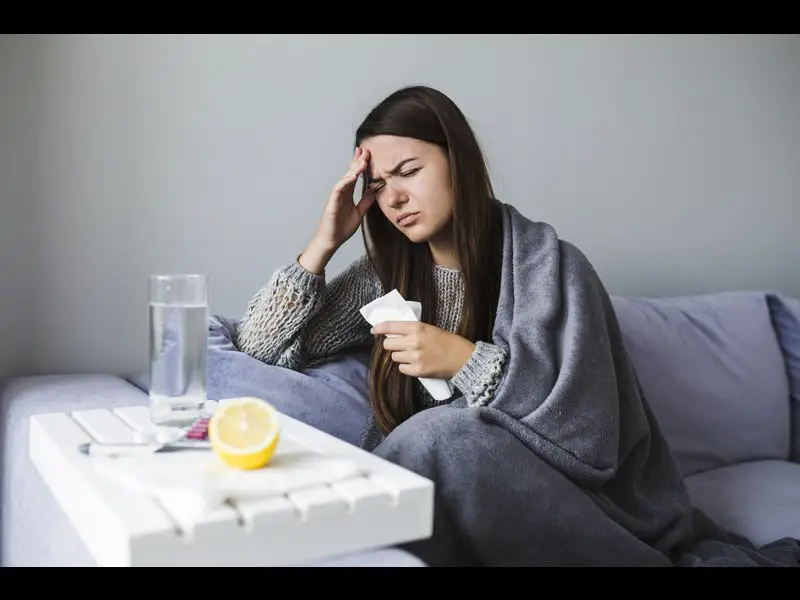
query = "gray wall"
{"x": 17, "y": 202}
{"x": 672, "y": 161}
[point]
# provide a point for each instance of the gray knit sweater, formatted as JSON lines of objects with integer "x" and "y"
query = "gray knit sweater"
{"x": 298, "y": 320}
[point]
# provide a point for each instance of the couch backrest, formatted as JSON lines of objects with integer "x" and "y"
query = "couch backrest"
{"x": 713, "y": 373}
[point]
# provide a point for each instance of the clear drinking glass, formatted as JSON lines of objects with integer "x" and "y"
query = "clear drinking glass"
{"x": 178, "y": 348}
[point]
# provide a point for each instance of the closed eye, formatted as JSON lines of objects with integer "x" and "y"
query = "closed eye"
{"x": 377, "y": 187}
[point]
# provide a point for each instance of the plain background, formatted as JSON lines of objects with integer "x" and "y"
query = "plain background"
{"x": 672, "y": 161}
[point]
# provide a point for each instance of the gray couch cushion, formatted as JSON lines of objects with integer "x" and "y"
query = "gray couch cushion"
{"x": 713, "y": 373}
{"x": 786, "y": 320}
{"x": 757, "y": 499}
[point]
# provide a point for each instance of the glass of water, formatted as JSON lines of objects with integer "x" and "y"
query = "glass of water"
{"x": 178, "y": 348}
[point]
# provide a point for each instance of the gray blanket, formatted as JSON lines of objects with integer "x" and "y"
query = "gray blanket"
{"x": 566, "y": 465}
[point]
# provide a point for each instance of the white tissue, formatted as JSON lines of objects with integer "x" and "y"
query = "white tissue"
{"x": 393, "y": 307}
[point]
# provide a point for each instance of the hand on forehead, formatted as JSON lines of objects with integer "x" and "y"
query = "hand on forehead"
{"x": 388, "y": 154}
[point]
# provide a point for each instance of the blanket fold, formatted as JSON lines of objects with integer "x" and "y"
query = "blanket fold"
{"x": 568, "y": 455}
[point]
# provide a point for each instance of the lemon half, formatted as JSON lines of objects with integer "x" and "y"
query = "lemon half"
{"x": 244, "y": 432}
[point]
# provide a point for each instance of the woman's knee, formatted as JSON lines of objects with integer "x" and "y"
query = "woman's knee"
{"x": 420, "y": 440}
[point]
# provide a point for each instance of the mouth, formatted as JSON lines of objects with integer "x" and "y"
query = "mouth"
{"x": 405, "y": 219}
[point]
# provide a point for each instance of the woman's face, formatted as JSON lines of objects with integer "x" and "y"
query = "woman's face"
{"x": 411, "y": 183}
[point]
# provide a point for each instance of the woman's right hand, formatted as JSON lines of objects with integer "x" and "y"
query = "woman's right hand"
{"x": 341, "y": 216}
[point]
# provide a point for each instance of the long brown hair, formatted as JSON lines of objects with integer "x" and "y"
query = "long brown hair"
{"x": 426, "y": 114}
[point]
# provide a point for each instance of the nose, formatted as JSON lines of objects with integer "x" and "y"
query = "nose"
{"x": 394, "y": 195}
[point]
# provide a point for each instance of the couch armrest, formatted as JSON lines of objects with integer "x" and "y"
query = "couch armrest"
{"x": 33, "y": 529}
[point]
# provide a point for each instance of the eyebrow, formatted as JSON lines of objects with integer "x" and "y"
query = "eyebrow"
{"x": 394, "y": 171}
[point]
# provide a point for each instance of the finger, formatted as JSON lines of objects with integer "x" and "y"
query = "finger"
{"x": 356, "y": 156}
{"x": 367, "y": 200}
{"x": 409, "y": 370}
{"x": 346, "y": 182}
{"x": 394, "y": 328}
{"x": 395, "y": 343}
{"x": 356, "y": 168}
{"x": 403, "y": 357}
{"x": 358, "y": 164}
{"x": 349, "y": 179}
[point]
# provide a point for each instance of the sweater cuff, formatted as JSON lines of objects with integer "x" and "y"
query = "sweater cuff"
{"x": 479, "y": 377}
{"x": 307, "y": 282}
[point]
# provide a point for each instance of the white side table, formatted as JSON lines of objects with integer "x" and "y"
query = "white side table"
{"x": 387, "y": 506}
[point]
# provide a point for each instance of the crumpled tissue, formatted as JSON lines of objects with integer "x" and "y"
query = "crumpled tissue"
{"x": 393, "y": 307}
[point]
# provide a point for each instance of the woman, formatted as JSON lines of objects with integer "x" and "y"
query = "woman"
{"x": 432, "y": 230}
{"x": 548, "y": 452}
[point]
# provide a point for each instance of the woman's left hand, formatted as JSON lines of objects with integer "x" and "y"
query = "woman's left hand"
{"x": 424, "y": 350}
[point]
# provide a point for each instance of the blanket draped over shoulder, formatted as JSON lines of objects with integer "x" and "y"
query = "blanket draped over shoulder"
{"x": 566, "y": 465}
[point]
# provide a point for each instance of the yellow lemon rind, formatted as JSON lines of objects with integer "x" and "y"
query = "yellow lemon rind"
{"x": 254, "y": 457}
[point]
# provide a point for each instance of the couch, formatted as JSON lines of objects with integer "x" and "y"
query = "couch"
{"x": 721, "y": 371}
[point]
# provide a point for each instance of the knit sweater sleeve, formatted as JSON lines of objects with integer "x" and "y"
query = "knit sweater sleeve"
{"x": 480, "y": 375}
{"x": 298, "y": 317}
